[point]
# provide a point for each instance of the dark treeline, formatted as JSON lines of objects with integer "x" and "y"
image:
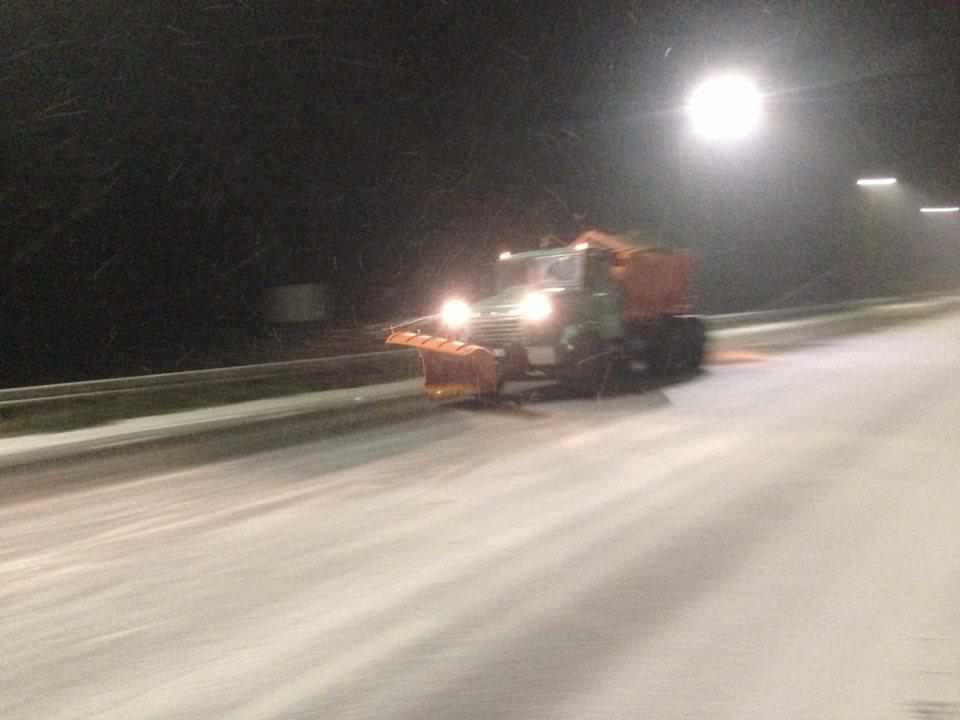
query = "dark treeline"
{"x": 163, "y": 162}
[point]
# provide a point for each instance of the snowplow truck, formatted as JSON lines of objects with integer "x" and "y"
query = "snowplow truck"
{"x": 575, "y": 314}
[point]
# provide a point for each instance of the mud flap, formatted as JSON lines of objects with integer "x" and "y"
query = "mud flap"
{"x": 451, "y": 368}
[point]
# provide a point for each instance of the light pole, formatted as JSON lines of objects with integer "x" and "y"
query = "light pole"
{"x": 940, "y": 231}
{"x": 721, "y": 110}
{"x": 880, "y": 257}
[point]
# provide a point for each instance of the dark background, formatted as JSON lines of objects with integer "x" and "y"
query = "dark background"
{"x": 162, "y": 162}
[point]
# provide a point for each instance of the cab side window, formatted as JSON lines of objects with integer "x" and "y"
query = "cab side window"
{"x": 563, "y": 270}
{"x": 598, "y": 272}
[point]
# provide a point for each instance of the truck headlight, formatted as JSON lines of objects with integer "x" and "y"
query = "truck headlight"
{"x": 455, "y": 313}
{"x": 537, "y": 307}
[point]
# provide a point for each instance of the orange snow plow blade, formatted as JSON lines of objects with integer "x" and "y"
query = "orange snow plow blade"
{"x": 451, "y": 368}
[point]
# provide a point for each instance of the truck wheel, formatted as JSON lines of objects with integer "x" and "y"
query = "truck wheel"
{"x": 668, "y": 351}
{"x": 696, "y": 340}
{"x": 592, "y": 369}
{"x": 678, "y": 347}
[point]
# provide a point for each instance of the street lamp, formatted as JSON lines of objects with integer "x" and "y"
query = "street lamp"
{"x": 876, "y": 181}
{"x": 722, "y": 109}
{"x": 725, "y": 108}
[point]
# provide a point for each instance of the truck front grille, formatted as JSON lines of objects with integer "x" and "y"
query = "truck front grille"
{"x": 496, "y": 331}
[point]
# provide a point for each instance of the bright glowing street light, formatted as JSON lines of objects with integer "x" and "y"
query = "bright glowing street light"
{"x": 944, "y": 209}
{"x": 876, "y": 181}
{"x": 725, "y": 108}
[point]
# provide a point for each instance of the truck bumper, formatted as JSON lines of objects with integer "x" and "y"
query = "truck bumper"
{"x": 519, "y": 362}
{"x": 453, "y": 368}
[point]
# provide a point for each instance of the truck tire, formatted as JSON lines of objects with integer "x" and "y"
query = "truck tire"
{"x": 592, "y": 368}
{"x": 696, "y": 341}
{"x": 678, "y": 347}
{"x": 668, "y": 352}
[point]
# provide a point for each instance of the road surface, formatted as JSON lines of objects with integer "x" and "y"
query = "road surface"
{"x": 779, "y": 538}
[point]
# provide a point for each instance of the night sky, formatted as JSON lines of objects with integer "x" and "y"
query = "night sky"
{"x": 162, "y": 162}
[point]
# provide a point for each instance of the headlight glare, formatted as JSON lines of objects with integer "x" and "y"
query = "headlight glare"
{"x": 455, "y": 313}
{"x": 537, "y": 307}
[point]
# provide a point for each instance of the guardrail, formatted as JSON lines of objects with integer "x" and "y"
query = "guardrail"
{"x": 192, "y": 378}
{"x": 793, "y": 313}
{"x": 386, "y": 359}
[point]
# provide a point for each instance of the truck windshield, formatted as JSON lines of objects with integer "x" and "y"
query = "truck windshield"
{"x": 549, "y": 271}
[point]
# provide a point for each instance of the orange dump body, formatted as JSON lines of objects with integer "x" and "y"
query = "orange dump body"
{"x": 655, "y": 282}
